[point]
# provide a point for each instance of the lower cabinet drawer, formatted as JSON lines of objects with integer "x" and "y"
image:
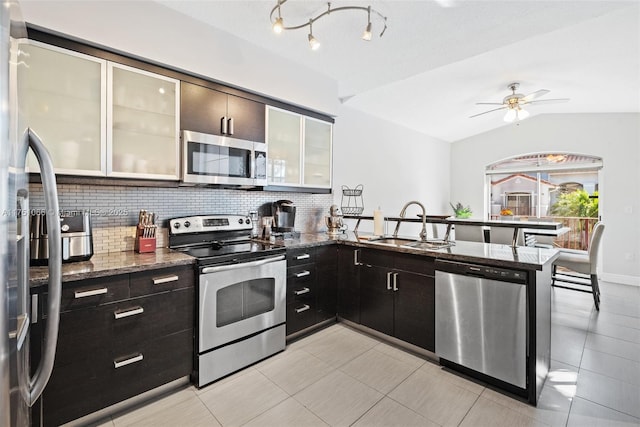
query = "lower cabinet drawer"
{"x": 300, "y": 315}
{"x": 78, "y": 389}
{"x": 120, "y": 326}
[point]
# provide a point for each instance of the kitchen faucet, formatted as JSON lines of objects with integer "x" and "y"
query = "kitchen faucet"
{"x": 403, "y": 212}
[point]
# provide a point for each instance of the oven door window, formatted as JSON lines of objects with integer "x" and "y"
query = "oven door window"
{"x": 216, "y": 160}
{"x": 244, "y": 300}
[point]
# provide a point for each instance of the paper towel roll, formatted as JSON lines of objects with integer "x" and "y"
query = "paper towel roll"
{"x": 378, "y": 222}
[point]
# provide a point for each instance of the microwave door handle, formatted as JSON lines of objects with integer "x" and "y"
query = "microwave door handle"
{"x": 39, "y": 380}
{"x": 258, "y": 263}
{"x": 253, "y": 165}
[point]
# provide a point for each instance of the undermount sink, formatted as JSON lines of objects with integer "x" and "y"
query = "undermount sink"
{"x": 431, "y": 245}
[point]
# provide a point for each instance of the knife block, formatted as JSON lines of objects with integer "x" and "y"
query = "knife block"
{"x": 144, "y": 244}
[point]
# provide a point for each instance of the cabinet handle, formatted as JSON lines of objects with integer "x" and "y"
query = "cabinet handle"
{"x": 302, "y": 291}
{"x": 120, "y": 314}
{"x": 302, "y": 309}
{"x": 230, "y": 121}
{"x": 92, "y": 292}
{"x": 303, "y": 273}
{"x": 395, "y": 282}
{"x": 124, "y": 362}
{"x": 166, "y": 279}
{"x": 303, "y": 256}
{"x": 223, "y": 124}
{"x": 389, "y": 273}
{"x": 356, "y": 257}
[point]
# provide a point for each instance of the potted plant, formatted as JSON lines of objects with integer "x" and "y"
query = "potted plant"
{"x": 461, "y": 211}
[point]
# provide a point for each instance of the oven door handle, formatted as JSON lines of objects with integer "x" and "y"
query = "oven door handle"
{"x": 258, "y": 263}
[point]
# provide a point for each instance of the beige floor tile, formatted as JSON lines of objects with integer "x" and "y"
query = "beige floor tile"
{"x": 339, "y": 348}
{"x": 359, "y": 337}
{"x": 612, "y": 366}
{"x": 401, "y": 355}
{"x": 434, "y": 397}
{"x": 486, "y": 412}
{"x": 224, "y": 380}
{"x": 288, "y": 413}
{"x": 589, "y": 414}
{"x": 614, "y": 394}
{"x": 389, "y": 413}
{"x": 295, "y": 370}
{"x": 181, "y": 408}
{"x": 338, "y": 399}
{"x": 300, "y": 343}
{"x": 461, "y": 380}
{"x": 377, "y": 370}
{"x": 247, "y": 396}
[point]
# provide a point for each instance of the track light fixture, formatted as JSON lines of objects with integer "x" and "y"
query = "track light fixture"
{"x": 278, "y": 22}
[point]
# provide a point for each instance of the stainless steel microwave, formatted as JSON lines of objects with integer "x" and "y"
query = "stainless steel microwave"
{"x": 215, "y": 159}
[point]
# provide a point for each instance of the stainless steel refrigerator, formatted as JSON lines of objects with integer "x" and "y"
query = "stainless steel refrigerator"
{"x": 19, "y": 388}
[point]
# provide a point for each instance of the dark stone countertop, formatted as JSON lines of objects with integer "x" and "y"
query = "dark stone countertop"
{"x": 528, "y": 258}
{"x": 112, "y": 263}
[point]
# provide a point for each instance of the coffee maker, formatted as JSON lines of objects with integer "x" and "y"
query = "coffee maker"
{"x": 284, "y": 216}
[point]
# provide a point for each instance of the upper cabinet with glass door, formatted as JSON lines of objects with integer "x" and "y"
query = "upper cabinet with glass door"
{"x": 299, "y": 150}
{"x": 62, "y": 99}
{"x": 143, "y": 124}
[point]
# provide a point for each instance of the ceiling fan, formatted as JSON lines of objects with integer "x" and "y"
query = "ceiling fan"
{"x": 514, "y": 102}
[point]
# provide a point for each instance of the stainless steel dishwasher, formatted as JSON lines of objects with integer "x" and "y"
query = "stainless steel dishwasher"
{"x": 481, "y": 319}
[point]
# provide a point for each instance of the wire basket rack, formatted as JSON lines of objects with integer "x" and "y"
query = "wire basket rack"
{"x": 351, "y": 202}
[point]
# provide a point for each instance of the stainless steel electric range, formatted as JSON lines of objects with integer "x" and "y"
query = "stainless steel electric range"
{"x": 241, "y": 307}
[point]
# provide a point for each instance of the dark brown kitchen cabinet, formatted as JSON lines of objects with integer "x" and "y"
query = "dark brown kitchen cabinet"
{"x": 119, "y": 336}
{"x": 397, "y": 296}
{"x": 311, "y": 287}
{"x": 210, "y": 111}
{"x": 348, "y": 283}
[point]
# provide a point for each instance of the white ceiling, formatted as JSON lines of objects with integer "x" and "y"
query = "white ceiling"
{"x": 435, "y": 62}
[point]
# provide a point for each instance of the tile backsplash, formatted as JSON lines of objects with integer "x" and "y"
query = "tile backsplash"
{"x": 114, "y": 209}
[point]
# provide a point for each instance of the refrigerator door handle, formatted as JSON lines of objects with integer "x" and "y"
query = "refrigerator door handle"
{"x": 42, "y": 374}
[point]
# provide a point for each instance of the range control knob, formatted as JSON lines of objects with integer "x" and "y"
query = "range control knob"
{"x": 240, "y": 221}
{"x": 187, "y": 224}
{"x": 176, "y": 225}
{"x": 247, "y": 220}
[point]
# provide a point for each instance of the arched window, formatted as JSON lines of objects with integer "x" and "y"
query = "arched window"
{"x": 561, "y": 187}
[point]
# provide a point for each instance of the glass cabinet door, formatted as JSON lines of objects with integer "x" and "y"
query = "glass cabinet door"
{"x": 62, "y": 99}
{"x": 142, "y": 124}
{"x": 317, "y": 153}
{"x": 284, "y": 136}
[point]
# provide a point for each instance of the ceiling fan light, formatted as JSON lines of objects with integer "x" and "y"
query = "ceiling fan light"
{"x": 522, "y": 114}
{"x": 510, "y": 116}
{"x": 313, "y": 42}
{"x": 278, "y": 26}
{"x": 366, "y": 35}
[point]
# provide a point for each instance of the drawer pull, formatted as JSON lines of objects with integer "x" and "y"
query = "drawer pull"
{"x": 302, "y": 309}
{"x": 303, "y": 256}
{"x": 166, "y": 279}
{"x": 303, "y": 273}
{"x": 91, "y": 293}
{"x": 120, "y": 314}
{"x": 302, "y": 291}
{"x": 120, "y": 363}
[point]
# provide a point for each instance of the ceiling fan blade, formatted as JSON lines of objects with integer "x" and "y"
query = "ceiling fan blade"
{"x": 495, "y": 109}
{"x": 548, "y": 101}
{"x": 534, "y": 95}
{"x": 489, "y": 103}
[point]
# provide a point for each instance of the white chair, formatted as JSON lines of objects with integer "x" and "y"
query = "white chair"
{"x": 470, "y": 233}
{"x": 582, "y": 265}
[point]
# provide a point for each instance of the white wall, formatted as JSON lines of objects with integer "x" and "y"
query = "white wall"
{"x": 393, "y": 163}
{"x": 153, "y": 31}
{"x": 614, "y": 137}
